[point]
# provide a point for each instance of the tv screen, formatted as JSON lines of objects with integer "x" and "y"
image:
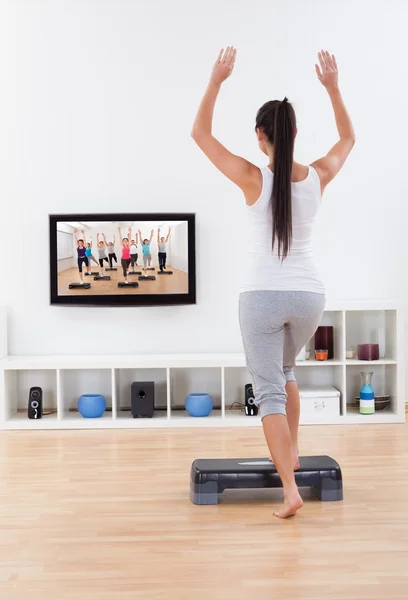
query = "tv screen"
{"x": 122, "y": 259}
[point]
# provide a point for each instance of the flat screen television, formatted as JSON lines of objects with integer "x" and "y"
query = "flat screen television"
{"x": 133, "y": 259}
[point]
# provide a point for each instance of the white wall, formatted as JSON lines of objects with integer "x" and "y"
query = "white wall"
{"x": 100, "y": 99}
{"x": 177, "y": 255}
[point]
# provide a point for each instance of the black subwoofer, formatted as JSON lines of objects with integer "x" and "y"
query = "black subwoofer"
{"x": 142, "y": 399}
{"x": 35, "y": 403}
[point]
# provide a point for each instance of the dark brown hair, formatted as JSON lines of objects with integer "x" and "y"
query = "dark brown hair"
{"x": 277, "y": 120}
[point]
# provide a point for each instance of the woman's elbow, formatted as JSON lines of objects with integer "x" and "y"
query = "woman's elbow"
{"x": 195, "y": 134}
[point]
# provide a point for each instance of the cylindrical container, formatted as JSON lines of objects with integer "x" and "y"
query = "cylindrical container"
{"x": 367, "y": 398}
{"x": 368, "y": 352}
{"x": 324, "y": 339}
{"x": 321, "y": 354}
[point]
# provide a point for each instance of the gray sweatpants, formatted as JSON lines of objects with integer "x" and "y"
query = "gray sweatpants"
{"x": 146, "y": 258}
{"x": 275, "y": 326}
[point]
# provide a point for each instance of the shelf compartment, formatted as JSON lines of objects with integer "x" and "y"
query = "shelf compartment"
{"x": 123, "y": 379}
{"x": 384, "y": 382}
{"x": 17, "y": 384}
{"x": 373, "y": 327}
{"x": 334, "y": 318}
{"x": 185, "y": 381}
{"x": 75, "y": 382}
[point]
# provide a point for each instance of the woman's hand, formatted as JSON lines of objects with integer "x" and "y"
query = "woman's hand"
{"x": 327, "y": 73}
{"x": 224, "y": 65}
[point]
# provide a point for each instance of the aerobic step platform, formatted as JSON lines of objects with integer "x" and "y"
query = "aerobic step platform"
{"x": 164, "y": 272}
{"x": 210, "y": 477}
{"x": 134, "y": 272}
{"x": 86, "y": 286}
{"x": 92, "y": 273}
{"x": 111, "y": 269}
{"x": 147, "y": 278}
{"x": 131, "y": 284}
{"x": 102, "y": 278}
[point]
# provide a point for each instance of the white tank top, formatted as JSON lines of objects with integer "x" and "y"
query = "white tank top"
{"x": 263, "y": 269}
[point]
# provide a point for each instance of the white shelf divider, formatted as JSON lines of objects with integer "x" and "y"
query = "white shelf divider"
{"x": 114, "y": 395}
{"x": 168, "y": 392}
{"x": 222, "y": 392}
{"x": 60, "y": 406}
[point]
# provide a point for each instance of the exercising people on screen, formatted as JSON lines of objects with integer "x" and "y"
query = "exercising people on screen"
{"x": 162, "y": 246}
{"x": 133, "y": 251}
{"x": 124, "y": 242}
{"x": 101, "y": 252}
{"x": 147, "y": 255}
{"x": 90, "y": 256}
{"x": 81, "y": 251}
{"x": 111, "y": 250}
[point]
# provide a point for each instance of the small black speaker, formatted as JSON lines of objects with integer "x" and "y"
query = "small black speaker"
{"x": 251, "y": 410}
{"x": 142, "y": 399}
{"x": 35, "y": 403}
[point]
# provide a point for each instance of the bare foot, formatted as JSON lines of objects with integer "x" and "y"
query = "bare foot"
{"x": 292, "y": 503}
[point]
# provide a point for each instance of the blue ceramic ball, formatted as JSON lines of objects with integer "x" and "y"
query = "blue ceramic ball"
{"x": 92, "y": 406}
{"x": 199, "y": 405}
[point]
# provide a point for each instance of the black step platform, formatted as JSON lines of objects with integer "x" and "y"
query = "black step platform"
{"x": 134, "y": 272}
{"x": 111, "y": 269}
{"x": 131, "y": 284}
{"x": 210, "y": 477}
{"x": 164, "y": 272}
{"x": 86, "y": 286}
{"x": 102, "y": 278}
{"x": 92, "y": 273}
{"x": 147, "y": 278}
{"x": 150, "y": 268}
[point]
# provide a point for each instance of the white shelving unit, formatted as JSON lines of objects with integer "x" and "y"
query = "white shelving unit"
{"x": 64, "y": 378}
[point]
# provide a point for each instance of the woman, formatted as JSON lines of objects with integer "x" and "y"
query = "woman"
{"x": 282, "y": 297}
{"x": 125, "y": 259}
{"x": 133, "y": 251}
{"x": 81, "y": 252}
{"x": 162, "y": 246}
{"x": 111, "y": 250}
{"x": 101, "y": 252}
{"x": 90, "y": 256}
{"x": 147, "y": 255}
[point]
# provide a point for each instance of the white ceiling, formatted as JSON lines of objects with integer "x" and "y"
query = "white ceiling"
{"x": 122, "y": 224}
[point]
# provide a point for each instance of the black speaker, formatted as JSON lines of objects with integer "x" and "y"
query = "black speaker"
{"x": 251, "y": 410}
{"x": 142, "y": 399}
{"x": 35, "y": 403}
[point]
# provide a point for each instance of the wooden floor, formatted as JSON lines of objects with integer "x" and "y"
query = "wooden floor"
{"x": 164, "y": 284}
{"x": 106, "y": 515}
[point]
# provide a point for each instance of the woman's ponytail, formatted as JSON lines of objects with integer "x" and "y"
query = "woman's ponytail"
{"x": 283, "y": 145}
{"x": 277, "y": 120}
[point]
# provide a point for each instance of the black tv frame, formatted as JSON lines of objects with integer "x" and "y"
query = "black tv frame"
{"x": 125, "y": 299}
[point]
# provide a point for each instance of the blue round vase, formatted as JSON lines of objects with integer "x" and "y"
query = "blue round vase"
{"x": 92, "y": 406}
{"x": 199, "y": 405}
